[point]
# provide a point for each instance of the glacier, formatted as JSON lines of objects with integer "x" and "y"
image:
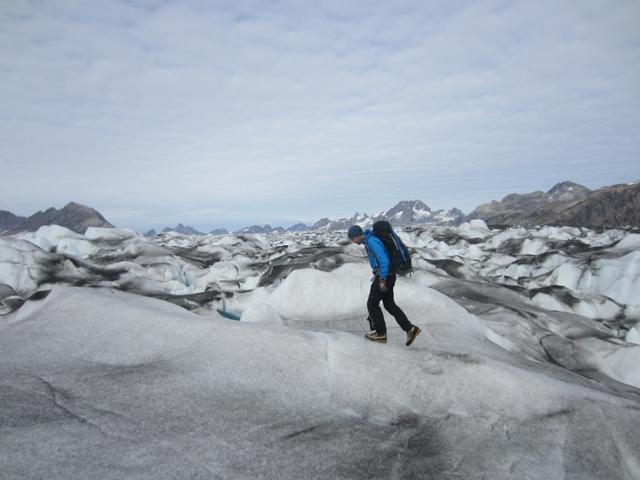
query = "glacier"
{"x": 116, "y": 362}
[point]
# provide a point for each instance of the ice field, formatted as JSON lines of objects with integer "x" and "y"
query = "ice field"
{"x": 122, "y": 357}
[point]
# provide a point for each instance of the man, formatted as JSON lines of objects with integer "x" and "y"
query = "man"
{"x": 382, "y": 287}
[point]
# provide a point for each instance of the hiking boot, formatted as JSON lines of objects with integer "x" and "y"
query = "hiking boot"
{"x": 412, "y": 334}
{"x": 376, "y": 337}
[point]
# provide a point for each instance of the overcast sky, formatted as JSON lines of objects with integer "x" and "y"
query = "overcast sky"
{"x": 216, "y": 113}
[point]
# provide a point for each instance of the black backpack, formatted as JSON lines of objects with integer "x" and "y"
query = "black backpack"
{"x": 397, "y": 251}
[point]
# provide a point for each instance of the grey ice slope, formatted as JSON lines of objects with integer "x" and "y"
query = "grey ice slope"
{"x": 104, "y": 384}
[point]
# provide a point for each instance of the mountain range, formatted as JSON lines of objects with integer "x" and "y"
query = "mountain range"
{"x": 186, "y": 230}
{"x": 407, "y": 212}
{"x": 566, "y": 203}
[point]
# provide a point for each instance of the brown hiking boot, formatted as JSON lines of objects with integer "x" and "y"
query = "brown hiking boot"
{"x": 376, "y": 337}
{"x": 412, "y": 334}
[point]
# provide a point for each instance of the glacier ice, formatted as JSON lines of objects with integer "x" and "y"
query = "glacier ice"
{"x": 114, "y": 360}
{"x": 99, "y": 382}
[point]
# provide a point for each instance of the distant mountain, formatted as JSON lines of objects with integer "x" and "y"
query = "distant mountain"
{"x": 417, "y": 212}
{"x": 328, "y": 224}
{"x": 219, "y": 231}
{"x": 515, "y": 208}
{"x": 8, "y": 220}
{"x": 567, "y": 203}
{"x": 73, "y": 216}
{"x": 407, "y": 212}
{"x": 612, "y": 206}
{"x": 261, "y": 229}
{"x": 184, "y": 230}
{"x": 298, "y": 227}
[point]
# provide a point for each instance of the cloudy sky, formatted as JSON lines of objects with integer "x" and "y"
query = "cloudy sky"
{"x": 217, "y": 113}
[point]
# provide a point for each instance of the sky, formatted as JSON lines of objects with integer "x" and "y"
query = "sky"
{"x": 232, "y": 113}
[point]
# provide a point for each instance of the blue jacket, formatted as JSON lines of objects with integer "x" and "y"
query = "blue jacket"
{"x": 378, "y": 256}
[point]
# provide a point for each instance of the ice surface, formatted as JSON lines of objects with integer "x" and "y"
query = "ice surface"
{"x": 474, "y": 229}
{"x": 50, "y": 236}
{"x": 527, "y": 367}
{"x": 109, "y": 234}
{"x": 634, "y": 335}
{"x": 533, "y": 246}
{"x": 629, "y": 242}
{"x": 108, "y": 384}
{"x": 319, "y": 300}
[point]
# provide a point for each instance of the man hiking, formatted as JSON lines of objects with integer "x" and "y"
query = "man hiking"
{"x": 382, "y": 287}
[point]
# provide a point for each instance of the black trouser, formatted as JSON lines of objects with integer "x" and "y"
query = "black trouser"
{"x": 375, "y": 312}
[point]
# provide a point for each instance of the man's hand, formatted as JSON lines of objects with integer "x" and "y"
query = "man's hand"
{"x": 383, "y": 286}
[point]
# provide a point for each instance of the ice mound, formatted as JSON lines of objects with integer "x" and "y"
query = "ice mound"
{"x": 628, "y": 243}
{"x": 474, "y": 229}
{"x": 634, "y": 335}
{"x": 314, "y": 296}
{"x": 316, "y": 299}
{"x": 109, "y": 234}
{"x": 60, "y": 239}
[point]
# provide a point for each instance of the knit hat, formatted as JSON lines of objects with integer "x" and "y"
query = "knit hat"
{"x": 354, "y": 231}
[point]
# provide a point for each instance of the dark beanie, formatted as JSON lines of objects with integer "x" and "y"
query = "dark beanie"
{"x": 354, "y": 231}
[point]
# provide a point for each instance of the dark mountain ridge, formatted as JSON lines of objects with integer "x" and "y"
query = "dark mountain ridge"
{"x": 182, "y": 229}
{"x": 566, "y": 203}
{"x": 9, "y": 220}
{"x": 74, "y": 216}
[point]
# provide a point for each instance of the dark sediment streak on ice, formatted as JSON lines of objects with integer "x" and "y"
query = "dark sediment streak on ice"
{"x": 567, "y": 354}
{"x": 320, "y": 258}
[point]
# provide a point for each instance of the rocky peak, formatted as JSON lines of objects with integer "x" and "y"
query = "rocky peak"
{"x": 298, "y": 227}
{"x": 9, "y": 220}
{"x": 183, "y": 230}
{"x": 74, "y": 216}
{"x": 261, "y": 229}
{"x": 566, "y": 191}
{"x": 219, "y": 231}
{"x": 408, "y": 206}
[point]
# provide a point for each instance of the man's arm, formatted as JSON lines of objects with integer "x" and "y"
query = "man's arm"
{"x": 380, "y": 253}
{"x": 372, "y": 261}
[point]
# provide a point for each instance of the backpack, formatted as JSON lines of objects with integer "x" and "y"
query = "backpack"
{"x": 397, "y": 251}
